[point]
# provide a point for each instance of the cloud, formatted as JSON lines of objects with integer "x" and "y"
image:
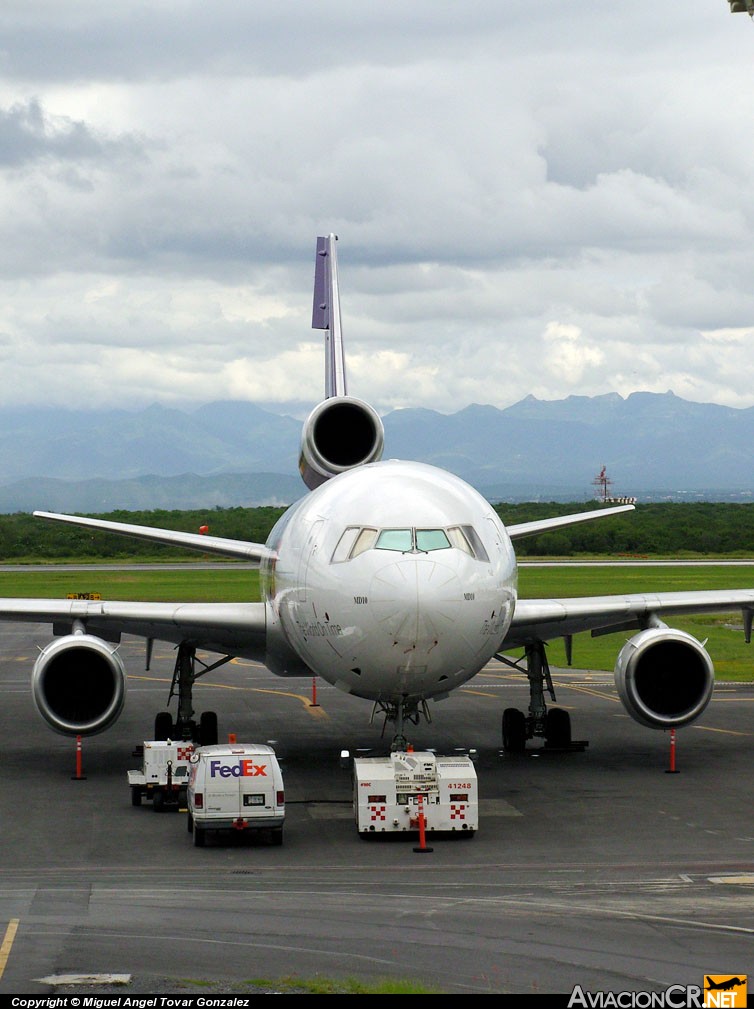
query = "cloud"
{"x": 528, "y": 199}
{"x": 569, "y": 355}
{"x": 27, "y": 135}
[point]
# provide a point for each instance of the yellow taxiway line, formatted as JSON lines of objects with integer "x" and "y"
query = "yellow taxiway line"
{"x": 7, "y": 944}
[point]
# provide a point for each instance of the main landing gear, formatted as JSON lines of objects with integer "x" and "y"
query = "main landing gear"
{"x": 399, "y": 712}
{"x": 185, "y": 727}
{"x": 553, "y": 725}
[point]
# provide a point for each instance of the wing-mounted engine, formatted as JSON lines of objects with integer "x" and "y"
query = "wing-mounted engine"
{"x": 339, "y": 434}
{"x": 79, "y": 685}
{"x": 664, "y": 677}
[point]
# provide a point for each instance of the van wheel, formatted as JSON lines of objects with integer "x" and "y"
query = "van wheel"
{"x": 158, "y": 800}
{"x": 199, "y": 837}
{"x": 276, "y": 836}
{"x": 208, "y": 728}
{"x": 135, "y": 796}
{"x": 189, "y": 822}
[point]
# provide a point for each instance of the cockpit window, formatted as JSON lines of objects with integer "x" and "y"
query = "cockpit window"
{"x": 395, "y": 539}
{"x": 412, "y": 540}
{"x": 432, "y": 539}
{"x": 459, "y": 540}
{"x": 477, "y": 547}
{"x": 364, "y": 541}
{"x": 354, "y": 541}
{"x": 343, "y": 550}
{"x": 358, "y": 539}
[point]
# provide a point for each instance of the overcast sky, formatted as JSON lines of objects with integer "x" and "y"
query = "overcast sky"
{"x": 538, "y": 198}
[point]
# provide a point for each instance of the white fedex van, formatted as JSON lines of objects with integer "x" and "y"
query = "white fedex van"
{"x": 235, "y": 786}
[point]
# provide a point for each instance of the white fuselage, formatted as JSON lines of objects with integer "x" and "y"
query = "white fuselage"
{"x": 393, "y": 580}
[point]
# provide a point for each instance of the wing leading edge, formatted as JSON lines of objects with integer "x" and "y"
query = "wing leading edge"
{"x": 537, "y": 526}
{"x": 238, "y": 549}
{"x": 545, "y": 619}
{"x": 235, "y": 628}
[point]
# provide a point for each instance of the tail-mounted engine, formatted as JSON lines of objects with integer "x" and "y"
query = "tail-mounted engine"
{"x": 664, "y": 677}
{"x": 79, "y": 685}
{"x": 339, "y": 434}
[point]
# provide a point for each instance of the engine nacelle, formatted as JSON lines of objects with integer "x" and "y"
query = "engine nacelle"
{"x": 664, "y": 678}
{"x": 79, "y": 685}
{"x": 339, "y": 434}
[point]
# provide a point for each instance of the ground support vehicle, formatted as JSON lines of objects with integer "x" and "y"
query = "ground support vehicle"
{"x": 235, "y": 787}
{"x": 163, "y": 775}
{"x": 390, "y": 793}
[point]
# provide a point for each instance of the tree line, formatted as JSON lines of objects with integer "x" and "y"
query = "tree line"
{"x": 672, "y": 529}
{"x": 709, "y": 528}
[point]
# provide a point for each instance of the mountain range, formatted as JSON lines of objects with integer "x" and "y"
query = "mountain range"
{"x": 233, "y": 453}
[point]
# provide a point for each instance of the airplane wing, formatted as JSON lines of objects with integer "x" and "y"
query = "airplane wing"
{"x": 664, "y": 676}
{"x": 537, "y": 526}
{"x": 537, "y": 620}
{"x": 235, "y": 628}
{"x": 239, "y": 549}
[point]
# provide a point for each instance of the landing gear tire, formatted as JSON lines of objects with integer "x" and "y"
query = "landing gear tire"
{"x": 514, "y": 731}
{"x": 163, "y": 726}
{"x": 208, "y": 728}
{"x": 558, "y": 728}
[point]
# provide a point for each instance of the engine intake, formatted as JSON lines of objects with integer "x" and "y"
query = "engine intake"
{"x": 79, "y": 685}
{"x": 339, "y": 434}
{"x": 664, "y": 678}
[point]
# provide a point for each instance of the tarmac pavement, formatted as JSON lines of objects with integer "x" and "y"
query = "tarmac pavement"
{"x": 595, "y": 868}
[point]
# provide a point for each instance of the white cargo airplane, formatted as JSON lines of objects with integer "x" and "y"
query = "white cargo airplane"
{"x": 395, "y": 581}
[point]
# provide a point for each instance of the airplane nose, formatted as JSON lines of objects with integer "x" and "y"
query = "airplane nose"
{"x": 415, "y": 601}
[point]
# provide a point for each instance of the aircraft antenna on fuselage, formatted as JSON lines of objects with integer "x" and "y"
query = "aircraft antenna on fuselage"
{"x": 326, "y": 315}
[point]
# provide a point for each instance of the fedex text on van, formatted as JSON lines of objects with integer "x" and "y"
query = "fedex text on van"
{"x": 243, "y": 769}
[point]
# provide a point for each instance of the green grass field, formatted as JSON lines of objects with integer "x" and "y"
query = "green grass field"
{"x": 223, "y": 584}
{"x": 733, "y": 658}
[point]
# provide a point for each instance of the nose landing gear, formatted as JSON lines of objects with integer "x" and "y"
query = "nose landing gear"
{"x": 399, "y": 712}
